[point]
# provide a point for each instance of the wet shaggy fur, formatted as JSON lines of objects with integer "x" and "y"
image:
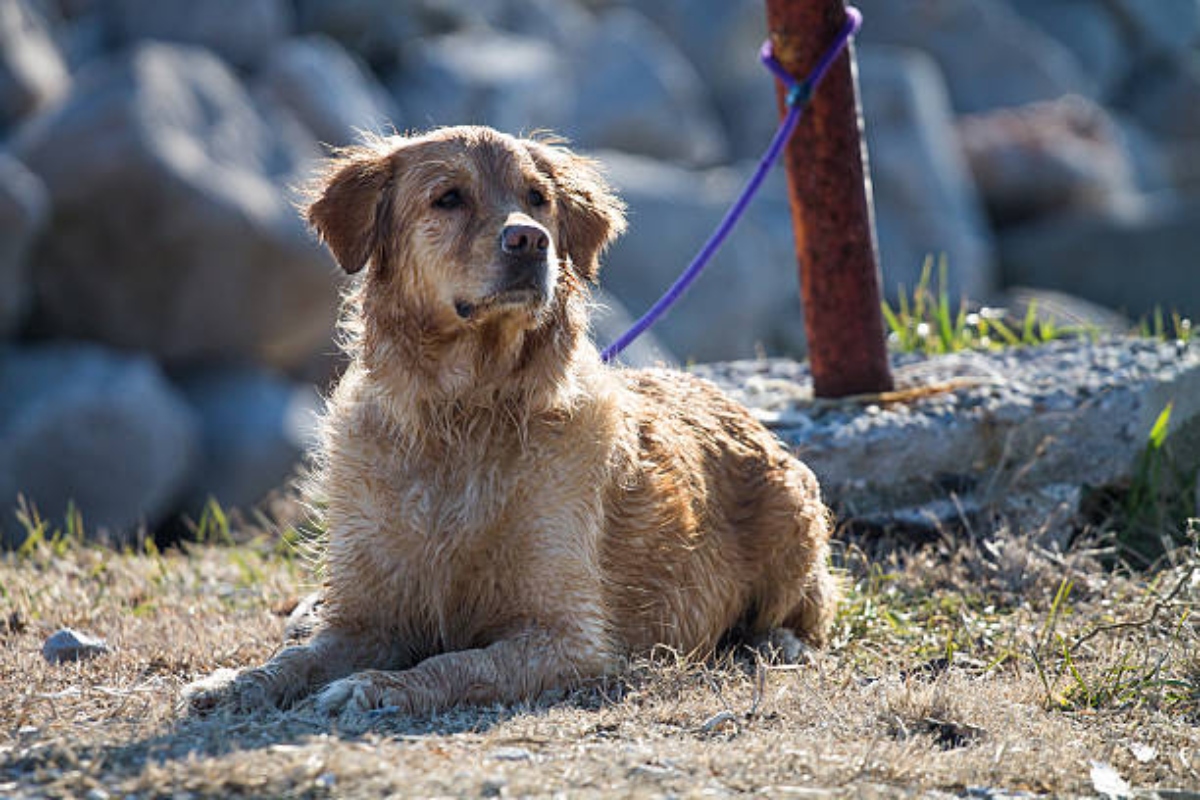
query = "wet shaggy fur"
{"x": 505, "y": 514}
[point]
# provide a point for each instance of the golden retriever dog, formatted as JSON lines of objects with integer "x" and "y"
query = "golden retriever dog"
{"x": 505, "y": 515}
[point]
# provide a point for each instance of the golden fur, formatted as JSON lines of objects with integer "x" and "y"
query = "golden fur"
{"x": 505, "y": 514}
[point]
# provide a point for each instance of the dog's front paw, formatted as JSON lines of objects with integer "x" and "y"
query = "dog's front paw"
{"x": 357, "y": 695}
{"x": 209, "y": 694}
{"x": 353, "y": 695}
{"x": 782, "y": 646}
{"x": 225, "y": 690}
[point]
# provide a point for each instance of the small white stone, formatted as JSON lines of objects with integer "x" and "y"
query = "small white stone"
{"x": 67, "y": 644}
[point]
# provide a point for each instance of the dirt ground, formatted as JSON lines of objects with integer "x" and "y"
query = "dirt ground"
{"x": 971, "y": 668}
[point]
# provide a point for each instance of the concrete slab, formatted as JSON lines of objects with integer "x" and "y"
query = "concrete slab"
{"x": 1021, "y": 430}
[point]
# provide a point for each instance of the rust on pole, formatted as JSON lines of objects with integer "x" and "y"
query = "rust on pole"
{"x": 832, "y": 217}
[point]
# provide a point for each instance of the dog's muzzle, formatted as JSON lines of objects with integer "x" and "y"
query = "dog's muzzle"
{"x": 526, "y": 255}
{"x": 526, "y": 270}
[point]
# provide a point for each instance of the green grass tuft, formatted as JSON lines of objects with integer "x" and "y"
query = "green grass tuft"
{"x": 926, "y": 321}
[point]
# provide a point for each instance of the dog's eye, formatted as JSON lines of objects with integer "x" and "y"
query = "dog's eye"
{"x": 536, "y": 198}
{"x": 449, "y": 200}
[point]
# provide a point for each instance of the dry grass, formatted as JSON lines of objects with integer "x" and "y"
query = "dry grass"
{"x": 966, "y": 665}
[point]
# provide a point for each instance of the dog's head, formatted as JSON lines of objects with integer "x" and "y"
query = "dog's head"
{"x": 466, "y": 226}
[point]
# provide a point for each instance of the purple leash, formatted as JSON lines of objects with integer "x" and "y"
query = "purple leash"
{"x": 799, "y": 93}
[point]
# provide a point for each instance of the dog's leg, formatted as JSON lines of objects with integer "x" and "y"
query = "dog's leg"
{"x": 291, "y": 674}
{"x": 508, "y": 671}
{"x": 812, "y": 617}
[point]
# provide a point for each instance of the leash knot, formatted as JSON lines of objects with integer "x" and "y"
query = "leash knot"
{"x": 799, "y": 95}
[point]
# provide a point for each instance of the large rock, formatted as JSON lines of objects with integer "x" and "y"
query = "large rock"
{"x": 32, "y": 71}
{"x": 991, "y": 57}
{"x": 1048, "y": 158}
{"x": 327, "y": 90}
{"x": 82, "y": 29}
{"x": 747, "y": 301}
{"x": 635, "y": 92}
{"x": 623, "y": 86}
{"x": 23, "y": 211}
{"x": 240, "y": 31}
{"x": 1163, "y": 26}
{"x": 1092, "y": 32}
{"x": 1164, "y": 97}
{"x": 383, "y": 34}
{"x": 564, "y": 23}
{"x": 371, "y": 29}
{"x": 721, "y": 39}
{"x": 1181, "y": 161}
{"x": 925, "y": 201}
{"x": 170, "y": 232}
{"x": 84, "y": 425}
{"x": 1133, "y": 262}
{"x": 481, "y": 76}
{"x": 254, "y": 428}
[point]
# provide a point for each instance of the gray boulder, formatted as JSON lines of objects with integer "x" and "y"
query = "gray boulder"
{"x": 564, "y": 23}
{"x": 1048, "y": 158}
{"x": 254, "y": 428}
{"x": 721, "y": 40}
{"x": 23, "y": 211}
{"x": 240, "y": 31}
{"x": 1163, "y": 26}
{"x": 327, "y": 90}
{"x": 32, "y": 71}
{"x": 1164, "y": 97}
{"x": 635, "y": 92}
{"x": 170, "y": 232}
{"x": 371, "y": 29}
{"x": 82, "y": 30}
{"x": 1133, "y": 262}
{"x": 747, "y": 301}
{"x": 925, "y": 201}
{"x": 1181, "y": 165}
{"x": 1150, "y": 158}
{"x": 511, "y": 82}
{"x": 623, "y": 86}
{"x": 106, "y": 431}
{"x": 991, "y": 57}
{"x": 1092, "y": 31}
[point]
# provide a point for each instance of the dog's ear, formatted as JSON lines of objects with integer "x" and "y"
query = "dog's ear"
{"x": 348, "y": 200}
{"x": 591, "y": 216}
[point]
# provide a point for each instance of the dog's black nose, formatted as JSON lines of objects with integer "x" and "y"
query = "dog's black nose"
{"x": 523, "y": 239}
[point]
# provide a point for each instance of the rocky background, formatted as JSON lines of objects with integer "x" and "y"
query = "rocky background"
{"x": 163, "y": 312}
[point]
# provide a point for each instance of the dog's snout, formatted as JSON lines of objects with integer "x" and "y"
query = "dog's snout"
{"x": 527, "y": 273}
{"x": 524, "y": 239}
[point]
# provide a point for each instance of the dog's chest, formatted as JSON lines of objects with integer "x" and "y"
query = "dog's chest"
{"x": 436, "y": 540}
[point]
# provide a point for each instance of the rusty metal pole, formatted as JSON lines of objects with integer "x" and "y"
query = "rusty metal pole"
{"x": 832, "y": 216}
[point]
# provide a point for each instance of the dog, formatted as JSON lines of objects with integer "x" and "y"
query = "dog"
{"x": 505, "y": 515}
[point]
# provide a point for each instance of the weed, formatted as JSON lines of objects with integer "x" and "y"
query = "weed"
{"x": 926, "y": 323}
{"x": 39, "y": 535}
{"x": 1155, "y": 327}
{"x": 1149, "y": 517}
{"x": 213, "y": 525}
